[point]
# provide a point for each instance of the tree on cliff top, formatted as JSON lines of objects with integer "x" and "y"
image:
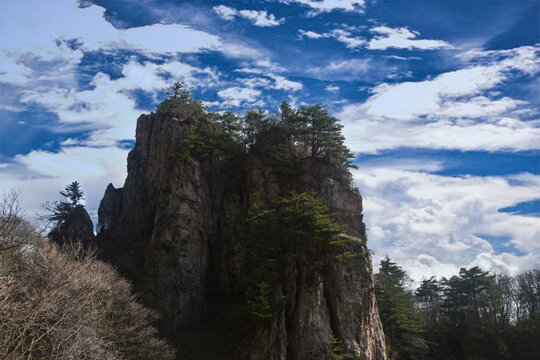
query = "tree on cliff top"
{"x": 318, "y": 133}
{"x": 179, "y": 103}
{"x": 62, "y": 211}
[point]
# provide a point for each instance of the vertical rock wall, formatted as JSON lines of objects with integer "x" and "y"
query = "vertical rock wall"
{"x": 173, "y": 229}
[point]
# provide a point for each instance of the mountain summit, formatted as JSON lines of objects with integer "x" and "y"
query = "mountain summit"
{"x": 246, "y": 235}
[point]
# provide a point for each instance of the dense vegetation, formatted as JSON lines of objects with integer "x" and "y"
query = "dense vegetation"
{"x": 63, "y": 303}
{"x": 292, "y": 232}
{"x": 306, "y": 132}
{"x": 473, "y": 315}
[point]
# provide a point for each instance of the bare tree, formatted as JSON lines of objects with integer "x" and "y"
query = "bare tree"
{"x": 14, "y": 230}
{"x": 63, "y": 303}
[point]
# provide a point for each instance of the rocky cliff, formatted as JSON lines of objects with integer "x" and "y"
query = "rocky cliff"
{"x": 175, "y": 230}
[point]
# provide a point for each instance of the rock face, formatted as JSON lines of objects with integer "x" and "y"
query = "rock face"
{"x": 78, "y": 228}
{"x": 174, "y": 230}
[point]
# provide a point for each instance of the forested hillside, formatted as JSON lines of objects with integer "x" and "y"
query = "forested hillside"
{"x": 472, "y": 315}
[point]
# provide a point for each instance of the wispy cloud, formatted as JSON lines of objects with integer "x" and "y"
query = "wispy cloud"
{"x": 312, "y": 34}
{"x": 402, "y": 38}
{"x": 332, "y": 88}
{"x": 341, "y": 35}
{"x": 240, "y": 96}
{"x": 350, "y": 41}
{"x": 107, "y": 110}
{"x": 322, "y": 6}
{"x": 386, "y": 38}
{"x": 257, "y": 18}
{"x": 349, "y": 69}
{"x": 60, "y": 33}
{"x": 278, "y": 82}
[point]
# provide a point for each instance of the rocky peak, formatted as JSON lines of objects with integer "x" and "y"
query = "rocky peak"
{"x": 176, "y": 228}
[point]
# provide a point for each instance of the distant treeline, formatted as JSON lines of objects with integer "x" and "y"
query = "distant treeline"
{"x": 473, "y": 315}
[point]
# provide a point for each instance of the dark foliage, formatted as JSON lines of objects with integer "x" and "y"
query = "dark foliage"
{"x": 294, "y": 230}
{"x": 473, "y": 315}
{"x": 289, "y": 135}
{"x": 401, "y": 323}
{"x": 60, "y": 212}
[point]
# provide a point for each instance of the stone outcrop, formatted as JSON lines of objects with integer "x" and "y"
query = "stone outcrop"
{"x": 174, "y": 230}
{"x": 78, "y": 228}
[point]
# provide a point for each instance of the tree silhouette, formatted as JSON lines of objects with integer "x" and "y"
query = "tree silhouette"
{"x": 62, "y": 211}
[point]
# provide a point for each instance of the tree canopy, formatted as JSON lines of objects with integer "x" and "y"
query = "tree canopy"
{"x": 62, "y": 211}
{"x": 472, "y": 315}
{"x": 401, "y": 323}
{"x": 313, "y": 132}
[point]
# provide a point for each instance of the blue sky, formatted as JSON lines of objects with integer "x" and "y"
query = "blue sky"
{"x": 439, "y": 100}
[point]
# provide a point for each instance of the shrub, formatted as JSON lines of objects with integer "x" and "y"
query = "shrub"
{"x": 336, "y": 352}
{"x": 62, "y": 303}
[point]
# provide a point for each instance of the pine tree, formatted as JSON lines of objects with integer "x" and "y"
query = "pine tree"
{"x": 231, "y": 124}
{"x": 63, "y": 211}
{"x": 254, "y": 123}
{"x": 428, "y": 300}
{"x": 320, "y": 134}
{"x": 179, "y": 103}
{"x": 401, "y": 323}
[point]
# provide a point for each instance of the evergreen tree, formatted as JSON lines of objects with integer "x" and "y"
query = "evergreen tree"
{"x": 320, "y": 134}
{"x": 292, "y": 231}
{"x": 179, "y": 103}
{"x": 254, "y": 123}
{"x": 477, "y": 315}
{"x": 286, "y": 112}
{"x": 62, "y": 211}
{"x": 401, "y": 323}
{"x": 428, "y": 301}
{"x": 231, "y": 123}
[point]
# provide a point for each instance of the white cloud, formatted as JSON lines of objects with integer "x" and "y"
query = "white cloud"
{"x": 350, "y": 69}
{"x": 433, "y": 225}
{"x": 279, "y": 82}
{"x": 45, "y": 173}
{"x": 410, "y": 100}
{"x": 351, "y": 42}
{"x": 454, "y": 110}
{"x": 225, "y": 12}
{"x": 108, "y": 110}
{"x": 257, "y": 18}
{"x": 311, "y": 34}
{"x": 320, "y": 6}
{"x": 282, "y": 83}
{"x": 369, "y": 135}
{"x": 402, "y": 38}
{"x": 261, "y": 18}
{"x": 332, "y": 88}
{"x": 54, "y": 36}
{"x": 343, "y": 36}
{"x": 240, "y": 96}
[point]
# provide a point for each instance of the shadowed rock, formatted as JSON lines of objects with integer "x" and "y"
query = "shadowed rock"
{"x": 174, "y": 229}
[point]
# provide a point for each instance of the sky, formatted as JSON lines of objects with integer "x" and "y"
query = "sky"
{"x": 438, "y": 99}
